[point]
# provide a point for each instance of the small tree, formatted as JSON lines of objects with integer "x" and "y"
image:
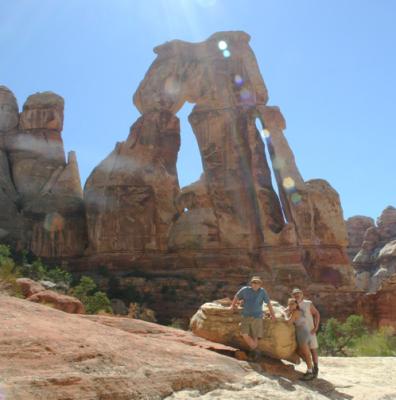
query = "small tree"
{"x": 93, "y": 300}
{"x": 336, "y": 338}
{"x": 59, "y": 275}
{"x": 8, "y": 271}
{"x": 85, "y": 288}
{"x": 97, "y": 302}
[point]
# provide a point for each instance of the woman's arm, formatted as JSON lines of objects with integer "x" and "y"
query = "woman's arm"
{"x": 291, "y": 318}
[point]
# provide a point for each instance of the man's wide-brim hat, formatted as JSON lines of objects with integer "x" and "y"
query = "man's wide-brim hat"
{"x": 296, "y": 290}
{"x": 256, "y": 279}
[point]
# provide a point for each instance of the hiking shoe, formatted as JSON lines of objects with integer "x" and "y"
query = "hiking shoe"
{"x": 308, "y": 376}
{"x": 315, "y": 371}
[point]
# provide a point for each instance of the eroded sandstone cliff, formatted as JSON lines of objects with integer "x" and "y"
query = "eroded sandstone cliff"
{"x": 41, "y": 197}
{"x": 161, "y": 242}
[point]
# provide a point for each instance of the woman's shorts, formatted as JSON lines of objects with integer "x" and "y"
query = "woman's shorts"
{"x": 304, "y": 336}
{"x": 252, "y": 327}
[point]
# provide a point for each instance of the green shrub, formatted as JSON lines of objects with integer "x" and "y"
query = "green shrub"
{"x": 93, "y": 300}
{"x": 97, "y": 302}
{"x": 377, "y": 344}
{"x": 37, "y": 271}
{"x": 85, "y": 288}
{"x": 8, "y": 272}
{"x": 336, "y": 338}
{"x": 59, "y": 275}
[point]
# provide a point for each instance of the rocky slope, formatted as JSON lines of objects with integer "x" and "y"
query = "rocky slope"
{"x": 46, "y": 353}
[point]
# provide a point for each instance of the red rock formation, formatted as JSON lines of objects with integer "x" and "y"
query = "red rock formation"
{"x": 43, "y": 191}
{"x": 376, "y": 259}
{"x": 231, "y": 222}
{"x": 53, "y": 355}
{"x": 356, "y": 227}
{"x": 219, "y": 230}
{"x": 59, "y": 301}
{"x": 129, "y": 197}
{"x": 378, "y": 309}
{"x": 10, "y": 220}
{"x": 29, "y": 287}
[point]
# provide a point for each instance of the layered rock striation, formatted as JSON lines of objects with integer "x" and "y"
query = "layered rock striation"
{"x": 234, "y": 220}
{"x": 375, "y": 259}
{"x": 41, "y": 191}
{"x": 163, "y": 242}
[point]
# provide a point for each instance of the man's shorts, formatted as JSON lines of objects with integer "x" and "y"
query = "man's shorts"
{"x": 252, "y": 326}
{"x": 313, "y": 342}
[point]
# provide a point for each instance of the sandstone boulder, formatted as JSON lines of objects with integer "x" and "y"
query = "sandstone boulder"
{"x": 29, "y": 287}
{"x": 59, "y": 301}
{"x": 217, "y": 323}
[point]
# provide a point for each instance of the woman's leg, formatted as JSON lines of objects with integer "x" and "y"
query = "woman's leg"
{"x": 306, "y": 355}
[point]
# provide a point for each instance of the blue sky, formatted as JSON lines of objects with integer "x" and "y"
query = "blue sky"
{"x": 330, "y": 65}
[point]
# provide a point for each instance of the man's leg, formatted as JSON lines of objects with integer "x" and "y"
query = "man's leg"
{"x": 252, "y": 343}
{"x": 314, "y": 352}
{"x": 315, "y": 359}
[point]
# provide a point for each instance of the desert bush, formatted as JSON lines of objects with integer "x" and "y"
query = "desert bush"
{"x": 353, "y": 338}
{"x": 376, "y": 344}
{"x": 59, "y": 275}
{"x": 93, "y": 300}
{"x": 97, "y": 302}
{"x": 336, "y": 337}
{"x": 8, "y": 272}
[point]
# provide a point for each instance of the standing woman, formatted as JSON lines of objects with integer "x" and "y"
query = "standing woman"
{"x": 295, "y": 316}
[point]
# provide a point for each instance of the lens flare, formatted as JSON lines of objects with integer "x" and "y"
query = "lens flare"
{"x": 296, "y": 198}
{"x": 278, "y": 163}
{"x": 172, "y": 87}
{"x": 245, "y": 94}
{"x": 238, "y": 80}
{"x": 288, "y": 183}
{"x": 265, "y": 133}
{"x": 222, "y": 45}
{"x": 226, "y": 53}
{"x": 54, "y": 222}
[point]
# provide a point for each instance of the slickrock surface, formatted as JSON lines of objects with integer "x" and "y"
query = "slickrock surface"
{"x": 48, "y": 354}
{"x": 45, "y": 353}
{"x": 59, "y": 301}
{"x": 360, "y": 378}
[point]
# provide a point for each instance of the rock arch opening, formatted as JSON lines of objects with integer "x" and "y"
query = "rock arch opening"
{"x": 189, "y": 162}
{"x": 264, "y": 133}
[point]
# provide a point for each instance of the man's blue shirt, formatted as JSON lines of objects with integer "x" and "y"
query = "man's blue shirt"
{"x": 252, "y": 301}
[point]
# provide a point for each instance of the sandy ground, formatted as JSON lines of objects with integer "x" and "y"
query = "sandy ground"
{"x": 363, "y": 378}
